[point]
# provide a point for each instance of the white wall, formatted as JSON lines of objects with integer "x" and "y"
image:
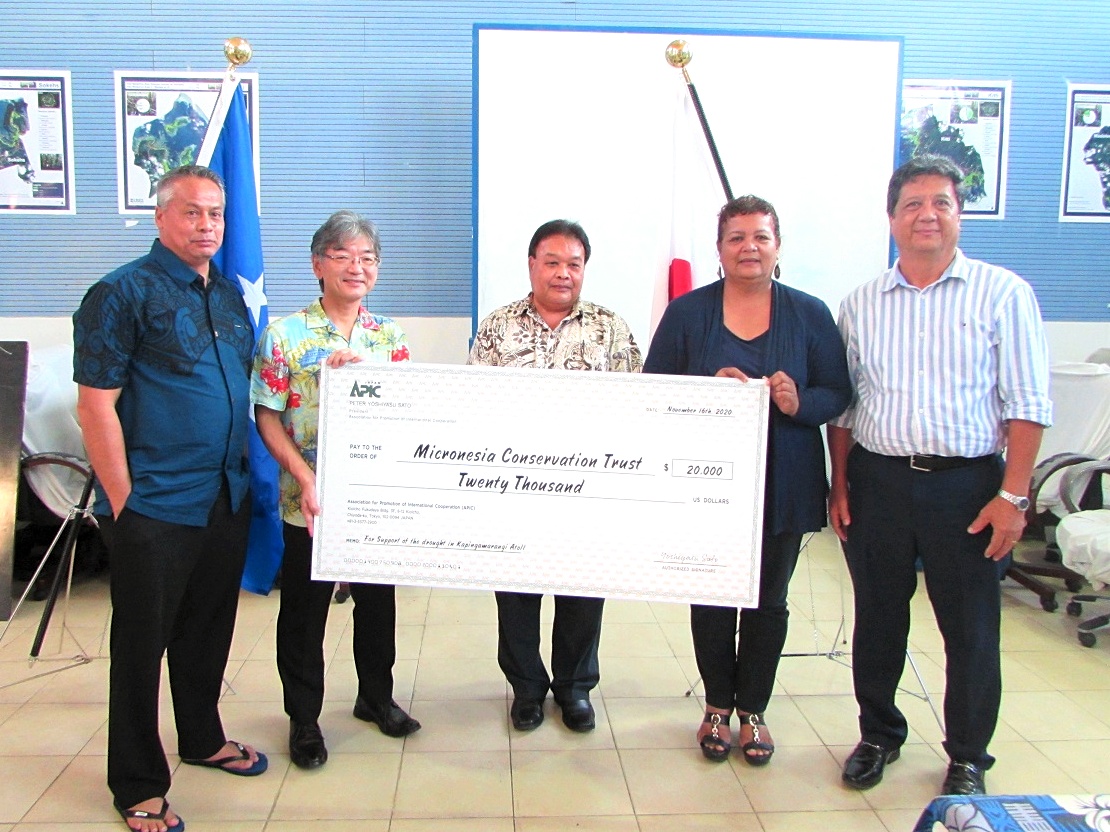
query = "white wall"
{"x": 1074, "y": 341}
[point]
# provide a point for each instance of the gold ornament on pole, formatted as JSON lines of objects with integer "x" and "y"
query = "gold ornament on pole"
{"x": 238, "y": 52}
{"x": 679, "y": 55}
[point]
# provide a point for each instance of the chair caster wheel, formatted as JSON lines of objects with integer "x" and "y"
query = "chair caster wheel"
{"x": 1049, "y": 604}
{"x": 1086, "y": 639}
{"x": 1075, "y": 609}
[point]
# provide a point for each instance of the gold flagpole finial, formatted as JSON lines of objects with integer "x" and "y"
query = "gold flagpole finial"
{"x": 238, "y": 52}
{"x": 679, "y": 55}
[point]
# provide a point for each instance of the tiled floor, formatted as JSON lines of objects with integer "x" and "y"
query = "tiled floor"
{"x": 467, "y": 771}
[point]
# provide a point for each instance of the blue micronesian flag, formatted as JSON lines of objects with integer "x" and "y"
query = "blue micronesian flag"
{"x": 240, "y": 259}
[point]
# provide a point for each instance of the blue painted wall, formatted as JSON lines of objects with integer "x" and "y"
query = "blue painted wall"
{"x": 368, "y": 106}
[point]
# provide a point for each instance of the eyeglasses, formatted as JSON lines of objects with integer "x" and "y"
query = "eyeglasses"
{"x": 364, "y": 262}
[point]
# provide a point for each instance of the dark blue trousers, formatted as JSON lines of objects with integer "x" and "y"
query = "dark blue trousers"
{"x": 302, "y": 619}
{"x": 899, "y": 515}
{"x": 740, "y": 671}
{"x": 575, "y": 637}
{"x": 175, "y": 591}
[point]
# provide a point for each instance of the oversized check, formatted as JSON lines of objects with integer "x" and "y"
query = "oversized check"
{"x": 614, "y": 485}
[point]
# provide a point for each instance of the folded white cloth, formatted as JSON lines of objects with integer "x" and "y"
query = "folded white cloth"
{"x": 1084, "y": 540}
{"x": 50, "y": 426}
{"x": 1080, "y": 422}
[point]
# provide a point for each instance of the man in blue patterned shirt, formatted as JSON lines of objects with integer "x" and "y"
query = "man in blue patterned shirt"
{"x": 162, "y": 350}
{"x": 949, "y": 367}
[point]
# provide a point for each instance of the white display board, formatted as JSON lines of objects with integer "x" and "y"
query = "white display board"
{"x": 582, "y": 125}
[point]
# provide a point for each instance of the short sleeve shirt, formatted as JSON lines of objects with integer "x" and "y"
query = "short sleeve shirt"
{"x": 286, "y": 376}
{"x": 179, "y": 352}
{"x": 590, "y": 337}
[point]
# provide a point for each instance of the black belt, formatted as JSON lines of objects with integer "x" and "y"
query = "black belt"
{"x": 929, "y": 462}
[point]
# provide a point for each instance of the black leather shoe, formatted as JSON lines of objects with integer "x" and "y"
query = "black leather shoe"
{"x": 864, "y": 766}
{"x": 306, "y": 745}
{"x": 578, "y": 714}
{"x": 391, "y": 719}
{"x": 963, "y": 778}
{"x": 527, "y": 714}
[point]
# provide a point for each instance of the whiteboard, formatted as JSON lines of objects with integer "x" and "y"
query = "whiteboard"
{"x": 595, "y": 126}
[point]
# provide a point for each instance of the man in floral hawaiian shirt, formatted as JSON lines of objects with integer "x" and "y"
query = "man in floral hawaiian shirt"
{"x": 285, "y": 390}
{"x": 553, "y": 328}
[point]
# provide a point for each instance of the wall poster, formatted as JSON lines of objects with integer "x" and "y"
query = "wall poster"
{"x": 1085, "y": 185}
{"x": 161, "y": 118}
{"x": 36, "y": 142}
{"x": 969, "y": 122}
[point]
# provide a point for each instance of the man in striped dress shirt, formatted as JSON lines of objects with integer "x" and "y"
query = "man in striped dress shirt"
{"x": 949, "y": 366}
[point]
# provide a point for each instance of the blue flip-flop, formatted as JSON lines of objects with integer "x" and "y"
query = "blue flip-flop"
{"x": 259, "y": 765}
{"x": 139, "y": 814}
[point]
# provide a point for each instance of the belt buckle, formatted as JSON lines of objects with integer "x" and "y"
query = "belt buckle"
{"x": 915, "y": 466}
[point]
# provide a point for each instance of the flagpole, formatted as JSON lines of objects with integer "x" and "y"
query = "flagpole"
{"x": 679, "y": 55}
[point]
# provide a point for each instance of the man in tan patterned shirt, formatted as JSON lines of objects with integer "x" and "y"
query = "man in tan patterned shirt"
{"x": 553, "y": 328}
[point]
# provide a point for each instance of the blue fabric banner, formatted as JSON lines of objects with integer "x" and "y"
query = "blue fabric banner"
{"x": 240, "y": 259}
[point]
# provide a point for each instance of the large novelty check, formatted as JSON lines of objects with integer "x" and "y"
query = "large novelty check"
{"x": 611, "y": 485}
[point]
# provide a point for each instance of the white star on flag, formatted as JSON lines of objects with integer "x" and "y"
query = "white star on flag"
{"x": 254, "y": 296}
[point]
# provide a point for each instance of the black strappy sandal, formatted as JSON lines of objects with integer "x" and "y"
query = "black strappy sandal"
{"x": 713, "y": 745}
{"x": 756, "y": 744}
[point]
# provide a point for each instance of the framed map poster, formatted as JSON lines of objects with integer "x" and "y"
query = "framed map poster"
{"x": 161, "y": 118}
{"x": 36, "y": 142}
{"x": 1085, "y": 186}
{"x": 969, "y": 123}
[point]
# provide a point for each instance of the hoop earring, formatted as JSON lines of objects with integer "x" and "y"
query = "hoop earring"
{"x": 778, "y": 271}
{"x": 720, "y": 273}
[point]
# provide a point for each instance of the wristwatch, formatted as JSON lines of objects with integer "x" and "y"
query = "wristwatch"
{"x": 1020, "y": 503}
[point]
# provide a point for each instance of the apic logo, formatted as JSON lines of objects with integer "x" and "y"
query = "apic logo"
{"x": 363, "y": 390}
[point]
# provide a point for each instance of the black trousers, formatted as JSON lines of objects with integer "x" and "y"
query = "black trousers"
{"x": 302, "y": 617}
{"x": 575, "y": 636}
{"x": 741, "y": 673}
{"x": 175, "y": 590}
{"x": 898, "y": 515}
